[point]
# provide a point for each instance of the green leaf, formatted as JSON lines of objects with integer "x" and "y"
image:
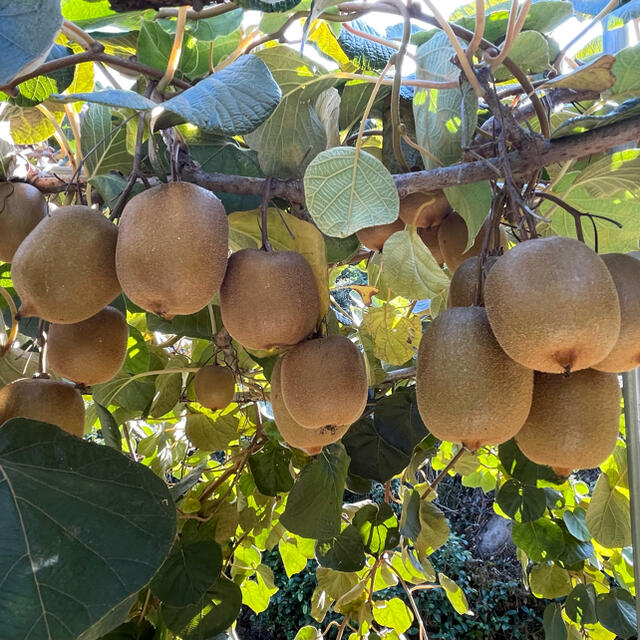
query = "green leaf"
{"x": 540, "y": 540}
{"x": 378, "y": 528}
{"x": 455, "y": 595}
{"x": 257, "y": 593}
{"x": 395, "y": 336}
{"x": 628, "y": 109}
{"x": 211, "y": 434}
{"x": 84, "y": 528}
{"x": 363, "y": 52}
{"x": 410, "y": 517}
{"x": 270, "y": 469}
{"x": 627, "y": 73}
{"x": 120, "y": 98}
{"x": 196, "y": 325}
{"x": 111, "y": 186}
{"x": 576, "y": 525}
{"x": 308, "y": 633}
{"x": 294, "y": 133}
{"x": 193, "y": 565}
{"x": 342, "y": 553}
{"x": 434, "y": 528}
{"x": 311, "y": 513}
{"x": 346, "y": 191}
{"x": 554, "y": 626}
{"x": 381, "y": 448}
{"x": 575, "y": 552}
{"x": 473, "y": 203}
{"x": 518, "y": 466}
{"x": 409, "y": 269}
{"x": 608, "y": 515}
{"x": 106, "y": 147}
{"x": 445, "y": 118}
{"x": 210, "y": 616}
{"x": 208, "y": 29}
{"x": 513, "y": 498}
{"x": 530, "y": 51}
{"x": 580, "y": 605}
{"x": 549, "y": 581}
{"x": 109, "y": 427}
{"x": 168, "y": 388}
{"x": 135, "y": 396}
{"x": 293, "y": 559}
{"x": 138, "y": 357}
{"x": 132, "y": 631}
{"x": 27, "y": 33}
{"x": 392, "y": 613}
{"x": 617, "y": 613}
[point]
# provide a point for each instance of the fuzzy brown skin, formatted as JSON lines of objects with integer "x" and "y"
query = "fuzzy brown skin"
{"x": 374, "y": 237}
{"x": 625, "y": 355}
{"x": 64, "y": 271}
{"x": 430, "y": 239}
{"x": 423, "y": 209}
{"x": 463, "y": 291}
{"x": 46, "y": 400}
{"x": 574, "y": 420}
{"x": 452, "y": 237}
{"x": 91, "y": 351}
{"x": 324, "y": 382}
{"x": 553, "y": 305}
{"x": 269, "y": 298}
{"x": 468, "y": 389}
{"x": 295, "y": 435}
{"x": 22, "y": 207}
{"x": 172, "y": 248}
{"x": 214, "y": 386}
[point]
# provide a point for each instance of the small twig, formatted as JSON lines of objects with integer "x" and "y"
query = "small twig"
{"x": 416, "y": 612}
{"x": 176, "y": 51}
{"x": 443, "y": 474}
{"x": 75, "y": 33}
{"x": 145, "y": 606}
{"x": 127, "y": 438}
{"x": 343, "y": 626}
{"x": 264, "y": 214}
{"x": 478, "y": 31}
{"x": 114, "y": 83}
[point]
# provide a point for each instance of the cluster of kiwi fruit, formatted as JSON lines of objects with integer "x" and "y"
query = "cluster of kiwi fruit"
{"x": 530, "y": 347}
{"x": 170, "y": 255}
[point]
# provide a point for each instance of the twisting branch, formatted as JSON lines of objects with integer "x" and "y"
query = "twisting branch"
{"x": 443, "y": 474}
{"x": 176, "y": 51}
{"x": 478, "y": 31}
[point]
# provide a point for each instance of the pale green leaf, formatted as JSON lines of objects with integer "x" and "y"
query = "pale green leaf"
{"x": 473, "y": 203}
{"x": 434, "y": 528}
{"x": 393, "y": 613}
{"x": 455, "y": 595}
{"x": 530, "y": 52}
{"x": 211, "y": 434}
{"x": 346, "y": 191}
{"x": 106, "y": 146}
{"x": 608, "y": 515}
{"x": 549, "y": 581}
{"x": 395, "y": 336}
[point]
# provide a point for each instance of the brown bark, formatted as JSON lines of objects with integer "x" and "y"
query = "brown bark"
{"x": 138, "y": 5}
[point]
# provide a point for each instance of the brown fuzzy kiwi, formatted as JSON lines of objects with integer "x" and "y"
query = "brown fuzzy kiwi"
{"x": 452, "y": 237}
{"x": 430, "y": 239}
{"x": 46, "y": 400}
{"x": 324, "y": 382}
{"x": 269, "y": 298}
{"x": 468, "y": 389}
{"x": 172, "y": 248}
{"x": 64, "y": 271}
{"x": 553, "y": 305}
{"x": 463, "y": 291}
{"x": 91, "y": 351}
{"x": 294, "y": 434}
{"x": 22, "y": 207}
{"x": 625, "y": 355}
{"x": 214, "y": 386}
{"x": 574, "y": 420}
{"x": 424, "y": 209}
{"x": 374, "y": 237}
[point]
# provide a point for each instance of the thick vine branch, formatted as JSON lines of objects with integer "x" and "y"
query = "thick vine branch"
{"x": 538, "y": 154}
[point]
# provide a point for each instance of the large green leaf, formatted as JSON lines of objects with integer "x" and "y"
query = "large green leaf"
{"x": 518, "y": 466}
{"x": 342, "y": 553}
{"x": 541, "y": 539}
{"x": 105, "y": 146}
{"x": 626, "y": 69}
{"x": 434, "y": 528}
{"x": 346, "y": 191}
{"x": 208, "y": 29}
{"x": 363, "y": 52}
{"x": 550, "y": 581}
{"x": 608, "y": 515}
{"x": 270, "y": 469}
{"x": 530, "y": 52}
{"x": 515, "y": 498}
{"x": 83, "y": 529}
{"x": 445, "y": 118}
{"x": 617, "y": 613}
{"x": 27, "y": 33}
{"x": 314, "y": 513}
{"x": 554, "y": 626}
{"x": 294, "y": 134}
{"x": 581, "y": 604}
{"x": 382, "y": 447}
{"x": 393, "y": 613}
{"x": 378, "y": 527}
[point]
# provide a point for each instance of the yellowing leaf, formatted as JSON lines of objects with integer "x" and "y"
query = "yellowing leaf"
{"x": 322, "y": 35}
{"x": 455, "y": 595}
{"x": 244, "y": 232}
{"x": 395, "y": 336}
{"x": 609, "y": 516}
{"x": 366, "y": 292}
{"x": 393, "y": 613}
{"x": 595, "y": 76}
{"x": 549, "y": 581}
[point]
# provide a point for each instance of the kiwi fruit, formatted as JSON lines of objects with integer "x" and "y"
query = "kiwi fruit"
{"x": 295, "y": 435}
{"x": 269, "y": 298}
{"x": 214, "y": 386}
{"x": 452, "y": 238}
{"x": 91, "y": 351}
{"x": 553, "y": 305}
{"x": 463, "y": 291}
{"x": 51, "y": 401}
{"x": 430, "y": 239}
{"x": 64, "y": 270}
{"x": 172, "y": 248}
{"x": 574, "y": 420}
{"x": 22, "y": 207}
{"x": 324, "y": 382}
{"x": 424, "y": 209}
{"x": 625, "y": 355}
{"x": 468, "y": 390}
{"x": 374, "y": 237}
